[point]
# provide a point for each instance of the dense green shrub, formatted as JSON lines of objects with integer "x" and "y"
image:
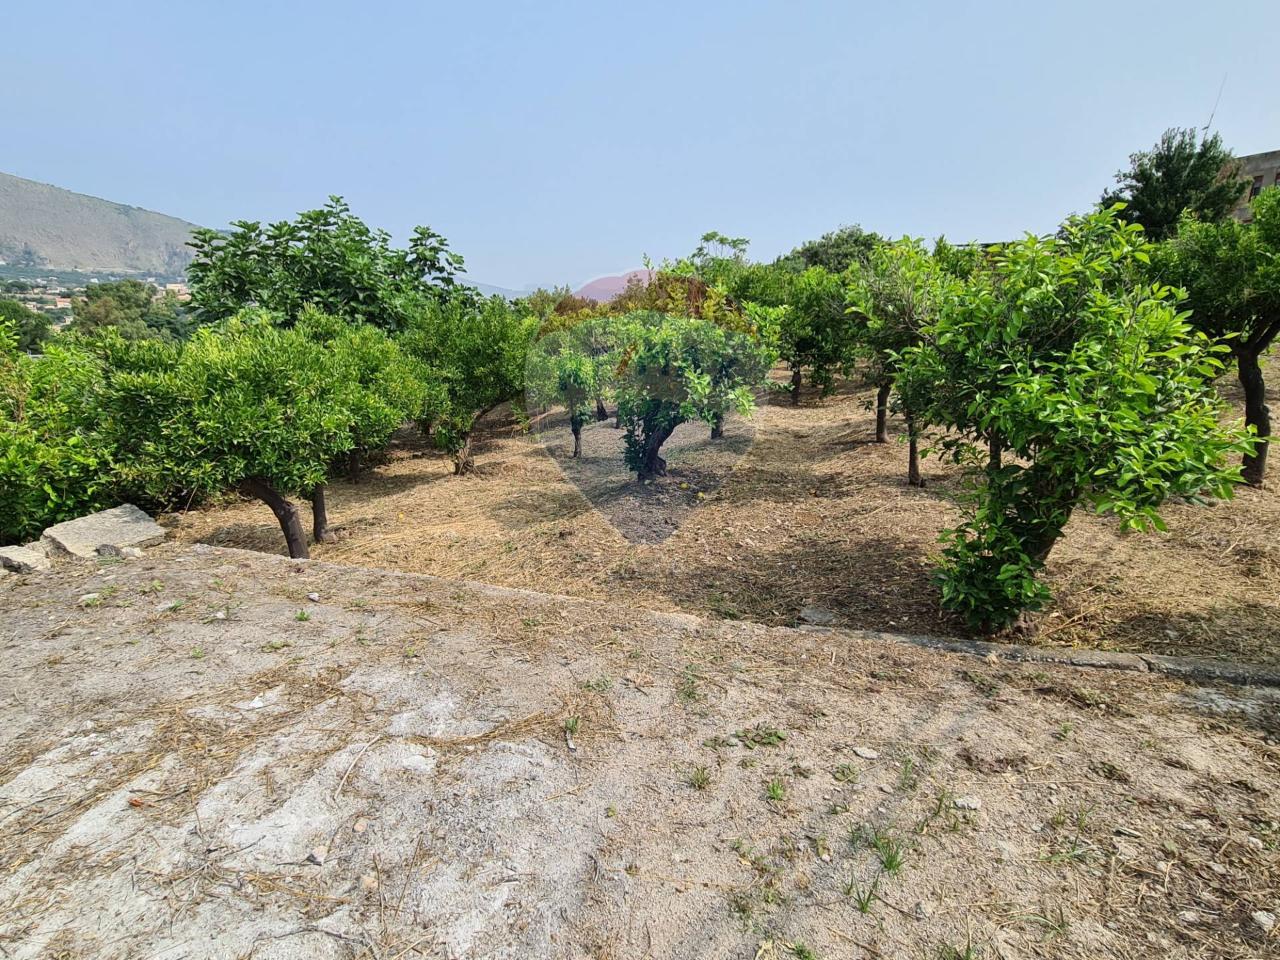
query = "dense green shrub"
{"x": 53, "y": 465}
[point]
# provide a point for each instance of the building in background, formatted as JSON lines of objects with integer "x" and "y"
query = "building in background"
{"x": 1262, "y": 171}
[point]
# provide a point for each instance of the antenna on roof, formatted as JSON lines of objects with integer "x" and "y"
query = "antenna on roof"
{"x": 1205, "y": 128}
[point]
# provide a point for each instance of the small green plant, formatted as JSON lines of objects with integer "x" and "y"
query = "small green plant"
{"x": 970, "y": 951}
{"x": 571, "y": 725}
{"x": 801, "y": 952}
{"x": 687, "y": 687}
{"x": 775, "y": 791}
{"x": 302, "y": 616}
{"x": 889, "y": 849}
{"x": 761, "y": 735}
{"x": 197, "y": 653}
{"x": 598, "y": 685}
{"x": 845, "y": 773}
{"x": 699, "y": 778}
{"x": 863, "y": 895}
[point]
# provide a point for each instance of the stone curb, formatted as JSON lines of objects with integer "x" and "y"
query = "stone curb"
{"x": 1196, "y": 669}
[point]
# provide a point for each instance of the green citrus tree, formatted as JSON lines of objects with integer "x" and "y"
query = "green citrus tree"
{"x": 893, "y": 295}
{"x": 1231, "y": 272}
{"x": 677, "y": 369}
{"x": 1097, "y": 384}
{"x": 477, "y": 349}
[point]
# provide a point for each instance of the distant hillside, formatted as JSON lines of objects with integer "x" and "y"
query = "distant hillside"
{"x": 603, "y": 289}
{"x": 42, "y": 226}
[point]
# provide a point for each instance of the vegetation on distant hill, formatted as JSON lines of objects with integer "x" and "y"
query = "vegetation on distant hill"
{"x": 31, "y": 327}
{"x": 132, "y": 308}
{"x": 48, "y": 228}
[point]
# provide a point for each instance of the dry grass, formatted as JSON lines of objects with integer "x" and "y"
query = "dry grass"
{"x": 813, "y": 513}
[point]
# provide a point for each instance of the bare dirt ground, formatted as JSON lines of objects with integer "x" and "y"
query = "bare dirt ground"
{"x": 213, "y": 753}
{"x": 796, "y": 508}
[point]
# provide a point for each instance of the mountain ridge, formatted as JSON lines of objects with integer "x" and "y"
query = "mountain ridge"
{"x": 49, "y": 227}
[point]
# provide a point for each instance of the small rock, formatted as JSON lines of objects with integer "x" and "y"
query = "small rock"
{"x": 1188, "y": 916}
{"x": 1265, "y": 919}
{"x": 368, "y": 882}
{"x": 866, "y": 753}
{"x": 968, "y": 803}
{"x": 923, "y": 910}
{"x": 360, "y": 826}
{"x": 220, "y": 615}
{"x": 313, "y": 597}
{"x": 108, "y": 550}
{"x": 317, "y": 855}
{"x": 817, "y": 616}
{"x": 1218, "y": 868}
{"x": 418, "y": 764}
{"x": 1253, "y": 843}
{"x": 167, "y": 607}
{"x": 87, "y": 599}
{"x": 885, "y": 788}
{"x": 131, "y": 553}
{"x": 28, "y": 559}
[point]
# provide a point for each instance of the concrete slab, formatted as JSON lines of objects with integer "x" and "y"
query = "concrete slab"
{"x": 122, "y": 526}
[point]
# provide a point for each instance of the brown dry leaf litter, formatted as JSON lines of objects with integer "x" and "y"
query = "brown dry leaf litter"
{"x": 811, "y": 515}
{"x": 425, "y": 768}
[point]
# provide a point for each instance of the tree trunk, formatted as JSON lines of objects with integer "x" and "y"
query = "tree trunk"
{"x": 462, "y": 459}
{"x": 717, "y": 427}
{"x": 575, "y": 424}
{"x": 353, "y": 464}
{"x": 651, "y": 464}
{"x": 1256, "y": 414}
{"x": 320, "y": 518}
{"x": 995, "y": 451}
{"x": 913, "y": 453}
{"x": 601, "y": 413}
{"x": 882, "y": 412}
{"x": 796, "y": 377}
{"x": 286, "y": 512}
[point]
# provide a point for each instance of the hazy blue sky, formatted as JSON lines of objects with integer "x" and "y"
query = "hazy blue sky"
{"x": 553, "y": 142}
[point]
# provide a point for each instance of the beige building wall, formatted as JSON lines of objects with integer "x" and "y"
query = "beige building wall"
{"x": 1262, "y": 170}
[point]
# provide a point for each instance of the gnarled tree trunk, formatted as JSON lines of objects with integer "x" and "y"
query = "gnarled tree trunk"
{"x": 601, "y": 413}
{"x": 1256, "y": 414}
{"x": 354, "y": 456}
{"x": 463, "y": 461}
{"x": 717, "y": 427}
{"x": 286, "y": 512}
{"x": 882, "y": 412}
{"x": 796, "y": 377}
{"x": 575, "y": 424}
{"x": 651, "y": 464}
{"x": 320, "y": 532}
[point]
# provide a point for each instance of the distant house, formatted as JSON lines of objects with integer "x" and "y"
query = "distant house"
{"x": 1262, "y": 170}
